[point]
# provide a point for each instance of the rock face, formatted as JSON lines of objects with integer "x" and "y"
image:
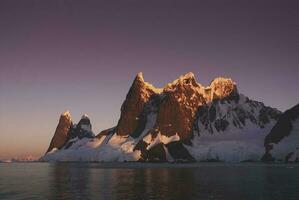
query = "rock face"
{"x": 139, "y": 93}
{"x": 105, "y": 132}
{"x": 232, "y": 112}
{"x": 183, "y": 122}
{"x": 67, "y": 133}
{"x": 221, "y": 88}
{"x": 174, "y": 107}
{"x": 282, "y": 143}
{"x": 62, "y": 131}
{"x": 82, "y": 129}
{"x": 178, "y": 108}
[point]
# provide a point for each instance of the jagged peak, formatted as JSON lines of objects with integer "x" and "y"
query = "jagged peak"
{"x": 85, "y": 116}
{"x": 66, "y": 114}
{"x": 139, "y": 81}
{"x": 222, "y": 80}
{"x": 185, "y": 79}
{"x": 139, "y": 76}
{"x": 221, "y": 87}
{"x": 188, "y": 75}
{"x": 84, "y": 120}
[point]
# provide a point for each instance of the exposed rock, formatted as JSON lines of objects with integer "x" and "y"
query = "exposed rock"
{"x": 221, "y": 124}
{"x": 141, "y": 146}
{"x": 266, "y": 114}
{"x": 267, "y": 157}
{"x": 220, "y": 114}
{"x": 183, "y": 121}
{"x": 82, "y": 129}
{"x": 105, "y": 132}
{"x": 62, "y": 131}
{"x": 78, "y": 131}
{"x": 178, "y": 152}
{"x": 147, "y": 118}
{"x": 139, "y": 93}
{"x": 68, "y": 133}
{"x": 282, "y": 130}
{"x": 155, "y": 154}
{"x": 178, "y": 107}
{"x": 221, "y": 88}
{"x": 283, "y": 126}
{"x": 185, "y": 97}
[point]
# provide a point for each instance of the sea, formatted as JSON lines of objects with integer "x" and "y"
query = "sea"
{"x": 158, "y": 181}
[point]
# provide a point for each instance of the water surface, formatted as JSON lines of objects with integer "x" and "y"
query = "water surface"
{"x": 148, "y": 181}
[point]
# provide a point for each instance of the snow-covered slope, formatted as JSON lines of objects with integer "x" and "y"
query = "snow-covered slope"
{"x": 232, "y": 130}
{"x": 282, "y": 143}
{"x": 184, "y": 121}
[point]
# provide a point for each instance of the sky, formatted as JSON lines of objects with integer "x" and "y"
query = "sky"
{"x": 82, "y": 56}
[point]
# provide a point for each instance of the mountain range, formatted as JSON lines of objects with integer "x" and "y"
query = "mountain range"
{"x": 182, "y": 122}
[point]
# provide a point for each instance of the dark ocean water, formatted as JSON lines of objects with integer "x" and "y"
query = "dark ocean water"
{"x": 148, "y": 181}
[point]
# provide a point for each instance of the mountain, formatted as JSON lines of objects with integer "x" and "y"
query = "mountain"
{"x": 184, "y": 121}
{"x": 62, "y": 131}
{"x": 68, "y": 133}
{"x": 282, "y": 143}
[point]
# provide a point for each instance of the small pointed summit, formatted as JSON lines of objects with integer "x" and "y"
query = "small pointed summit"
{"x": 187, "y": 76}
{"x": 139, "y": 76}
{"x": 182, "y": 81}
{"x": 140, "y": 84}
{"x": 139, "y": 80}
{"x": 66, "y": 114}
{"x": 85, "y": 116}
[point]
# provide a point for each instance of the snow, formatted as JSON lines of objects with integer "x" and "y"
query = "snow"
{"x": 111, "y": 148}
{"x": 288, "y": 144}
{"x": 160, "y": 139}
{"x": 86, "y": 127}
{"x": 73, "y": 139}
{"x": 53, "y": 150}
{"x": 295, "y": 156}
{"x": 148, "y": 138}
{"x": 229, "y": 111}
{"x": 85, "y": 116}
{"x": 150, "y": 122}
{"x": 234, "y": 145}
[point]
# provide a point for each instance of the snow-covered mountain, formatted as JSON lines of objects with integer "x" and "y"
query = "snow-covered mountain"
{"x": 68, "y": 133}
{"x": 282, "y": 143}
{"x": 232, "y": 129}
{"x": 184, "y": 121}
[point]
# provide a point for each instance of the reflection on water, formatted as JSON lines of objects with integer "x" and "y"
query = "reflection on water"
{"x": 69, "y": 181}
{"x": 150, "y": 181}
{"x": 153, "y": 183}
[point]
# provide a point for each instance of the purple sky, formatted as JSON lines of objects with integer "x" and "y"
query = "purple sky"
{"x": 83, "y": 55}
